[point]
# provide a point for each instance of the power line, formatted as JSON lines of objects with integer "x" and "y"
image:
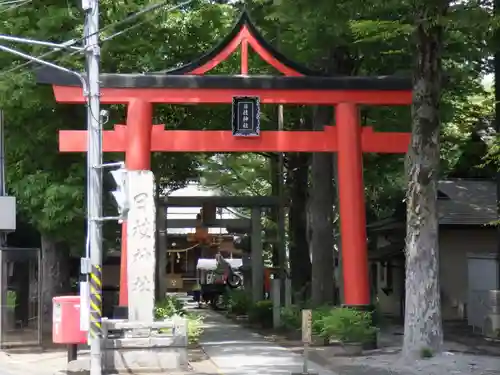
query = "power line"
{"x": 10, "y": 2}
{"x": 127, "y": 19}
{"x": 27, "y": 63}
{"x": 13, "y": 4}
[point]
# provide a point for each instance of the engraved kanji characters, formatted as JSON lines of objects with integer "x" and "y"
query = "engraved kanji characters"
{"x": 143, "y": 254}
{"x": 143, "y": 284}
{"x": 141, "y": 226}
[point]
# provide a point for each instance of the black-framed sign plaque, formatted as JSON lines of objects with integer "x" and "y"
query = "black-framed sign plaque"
{"x": 246, "y": 116}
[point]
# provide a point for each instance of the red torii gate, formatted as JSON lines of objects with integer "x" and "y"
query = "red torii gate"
{"x": 188, "y": 85}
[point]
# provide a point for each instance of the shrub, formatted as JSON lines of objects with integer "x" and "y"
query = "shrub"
{"x": 194, "y": 327}
{"x": 168, "y": 307}
{"x": 426, "y": 353}
{"x": 291, "y": 318}
{"x": 239, "y": 302}
{"x": 347, "y": 325}
{"x": 262, "y": 312}
{"x": 317, "y": 319}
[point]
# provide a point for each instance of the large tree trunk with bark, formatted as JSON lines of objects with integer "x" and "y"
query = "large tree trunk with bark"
{"x": 321, "y": 200}
{"x": 300, "y": 261}
{"x": 55, "y": 276}
{"x": 423, "y": 326}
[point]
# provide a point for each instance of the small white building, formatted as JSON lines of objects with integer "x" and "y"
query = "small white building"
{"x": 194, "y": 189}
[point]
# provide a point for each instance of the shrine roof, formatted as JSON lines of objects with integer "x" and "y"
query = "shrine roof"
{"x": 192, "y": 75}
{"x": 130, "y": 81}
{"x": 244, "y": 23}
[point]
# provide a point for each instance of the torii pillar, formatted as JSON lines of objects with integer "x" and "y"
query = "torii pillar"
{"x": 139, "y": 137}
{"x": 137, "y": 158}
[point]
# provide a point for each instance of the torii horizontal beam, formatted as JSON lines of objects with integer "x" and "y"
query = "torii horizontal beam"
{"x": 224, "y": 141}
{"x": 218, "y": 223}
{"x": 223, "y": 201}
{"x": 210, "y": 95}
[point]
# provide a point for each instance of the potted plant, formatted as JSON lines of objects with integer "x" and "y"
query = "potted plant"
{"x": 349, "y": 326}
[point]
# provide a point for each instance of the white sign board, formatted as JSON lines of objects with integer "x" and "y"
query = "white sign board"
{"x": 141, "y": 228}
{"x": 7, "y": 213}
{"x": 306, "y": 326}
{"x": 57, "y": 313}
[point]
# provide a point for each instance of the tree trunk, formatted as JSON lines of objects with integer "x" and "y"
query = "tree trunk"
{"x": 297, "y": 181}
{"x": 423, "y": 326}
{"x": 321, "y": 200}
{"x": 55, "y": 277}
{"x": 497, "y": 114}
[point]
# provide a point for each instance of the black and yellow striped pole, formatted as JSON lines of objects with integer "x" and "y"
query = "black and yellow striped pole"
{"x": 95, "y": 288}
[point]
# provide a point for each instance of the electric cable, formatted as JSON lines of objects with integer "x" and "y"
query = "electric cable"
{"x": 111, "y": 26}
{"x": 13, "y": 4}
{"x": 10, "y": 2}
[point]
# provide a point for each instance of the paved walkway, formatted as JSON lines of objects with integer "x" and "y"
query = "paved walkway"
{"x": 34, "y": 362}
{"x": 237, "y": 351}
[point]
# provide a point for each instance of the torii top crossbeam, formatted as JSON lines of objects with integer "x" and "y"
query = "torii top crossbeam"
{"x": 188, "y": 85}
{"x": 297, "y": 85}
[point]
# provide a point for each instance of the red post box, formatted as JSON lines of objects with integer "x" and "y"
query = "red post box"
{"x": 66, "y": 321}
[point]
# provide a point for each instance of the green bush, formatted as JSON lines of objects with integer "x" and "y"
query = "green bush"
{"x": 262, "y": 312}
{"x": 317, "y": 319}
{"x": 347, "y": 325}
{"x": 194, "y": 327}
{"x": 291, "y": 317}
{"x": 239, "y": 302}
{"x": 426, "y": 353}
{"x": 168, "y": 307}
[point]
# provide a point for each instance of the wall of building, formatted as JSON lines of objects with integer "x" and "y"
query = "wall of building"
{"x": 455, "y": 244}
{"x": 390, "y": 304}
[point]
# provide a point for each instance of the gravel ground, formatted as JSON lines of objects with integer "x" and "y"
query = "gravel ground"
{"x": 392, "y": 364}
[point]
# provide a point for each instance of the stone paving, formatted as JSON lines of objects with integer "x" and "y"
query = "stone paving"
{"x": 238, "y": 351}
{"x": 33, "y": 362}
